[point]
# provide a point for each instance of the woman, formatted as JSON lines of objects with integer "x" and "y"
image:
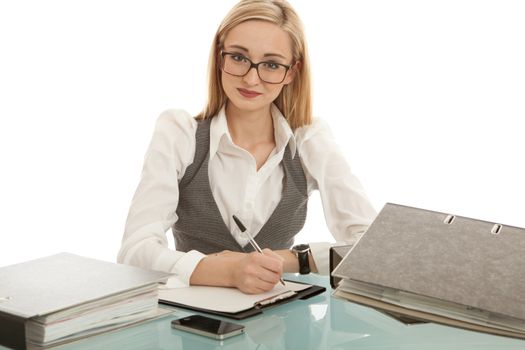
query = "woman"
{"x": 256, "y": 153}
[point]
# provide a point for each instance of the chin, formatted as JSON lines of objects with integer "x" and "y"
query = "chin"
{"x": 248, "y": 105}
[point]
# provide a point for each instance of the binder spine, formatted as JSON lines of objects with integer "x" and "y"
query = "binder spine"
{"x": 12, "y": 331}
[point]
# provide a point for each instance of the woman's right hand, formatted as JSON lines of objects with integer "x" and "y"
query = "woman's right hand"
{"x": 256, "y": 273}
{"x": 252, "y": 273}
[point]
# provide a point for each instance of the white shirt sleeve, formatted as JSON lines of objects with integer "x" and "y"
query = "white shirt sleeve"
{"x": 348, "y": 212}
{"x": 153, "y": 209}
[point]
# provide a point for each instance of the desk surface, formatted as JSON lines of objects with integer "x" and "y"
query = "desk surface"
{"x": 321, "y": 322}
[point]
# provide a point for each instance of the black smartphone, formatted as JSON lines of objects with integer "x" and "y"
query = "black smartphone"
{"x": 207, "y": 326}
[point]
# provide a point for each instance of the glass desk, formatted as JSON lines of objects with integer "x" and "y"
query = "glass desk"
{"x": 321, "y": 322}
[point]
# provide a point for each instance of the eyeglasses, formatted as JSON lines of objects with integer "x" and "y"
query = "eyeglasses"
{"x": 238, "y": 65}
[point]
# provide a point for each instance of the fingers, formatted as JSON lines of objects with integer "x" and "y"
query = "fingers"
{"x": 271, "y": 261}
{"x": 254, "y": 285}
{"x": 267, "y": 270}
{"x": 257, "y": 273}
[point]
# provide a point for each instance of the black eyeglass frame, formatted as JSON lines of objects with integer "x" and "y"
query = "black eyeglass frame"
{"x": 253, "y": 65}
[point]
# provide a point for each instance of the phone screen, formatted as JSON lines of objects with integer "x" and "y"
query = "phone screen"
{"x": 208, "y": 326}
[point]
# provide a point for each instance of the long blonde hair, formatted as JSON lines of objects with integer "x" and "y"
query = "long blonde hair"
{"x": 294, "y": 101}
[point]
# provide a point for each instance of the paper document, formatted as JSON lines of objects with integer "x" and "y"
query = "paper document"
{"x": 224, "y": 299}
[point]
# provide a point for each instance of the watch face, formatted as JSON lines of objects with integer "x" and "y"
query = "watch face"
{"x": 300, "y": 248}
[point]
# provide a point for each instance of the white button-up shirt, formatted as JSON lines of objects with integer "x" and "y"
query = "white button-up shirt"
{"x": 238, "y": 188}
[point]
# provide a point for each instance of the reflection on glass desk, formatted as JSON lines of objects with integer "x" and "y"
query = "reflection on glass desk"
{"x": 321, "y": 322}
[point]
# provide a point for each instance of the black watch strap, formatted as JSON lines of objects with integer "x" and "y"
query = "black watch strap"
{"x": 303, "y": 251}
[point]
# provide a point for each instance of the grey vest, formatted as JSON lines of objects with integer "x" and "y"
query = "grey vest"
{"x": 200, "y": 225}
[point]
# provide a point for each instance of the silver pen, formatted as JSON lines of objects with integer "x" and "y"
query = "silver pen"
{"x": 250, "y": 238}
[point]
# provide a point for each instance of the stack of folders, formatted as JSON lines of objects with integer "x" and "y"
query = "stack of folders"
{"x": 65, "y": 297}
{"x": 441, "y": 268}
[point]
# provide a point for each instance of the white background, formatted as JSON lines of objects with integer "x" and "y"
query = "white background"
{"x": 425, "y": 98}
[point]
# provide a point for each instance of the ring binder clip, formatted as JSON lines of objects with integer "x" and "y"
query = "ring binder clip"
{"x": 448, "y": 220}
{"x": 275, "y": 298}
{"x": 496, "y": 229}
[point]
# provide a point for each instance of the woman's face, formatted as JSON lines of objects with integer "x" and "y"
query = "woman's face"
{"x": 258, "y": 41}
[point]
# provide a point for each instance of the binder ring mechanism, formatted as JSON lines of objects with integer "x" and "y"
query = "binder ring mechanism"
{"x": 274, "y": 299}
{"x": 448, "y": 220}
{"x": 496, "y": 229}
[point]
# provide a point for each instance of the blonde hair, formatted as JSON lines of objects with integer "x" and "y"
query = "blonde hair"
{"x": 294, "y": 101}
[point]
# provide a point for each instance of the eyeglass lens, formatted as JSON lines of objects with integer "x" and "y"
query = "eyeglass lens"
{"x": 239, "y": 65}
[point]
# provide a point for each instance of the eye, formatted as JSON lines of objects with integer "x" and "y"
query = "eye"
{"x": 271, "y": 65}
{"x": 239, "y": 58}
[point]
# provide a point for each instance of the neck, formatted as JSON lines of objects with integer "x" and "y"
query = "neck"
{"x": 249, "y": 126}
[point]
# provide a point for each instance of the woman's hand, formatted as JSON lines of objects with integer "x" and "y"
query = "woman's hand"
{"x": 257, "y": 273}
{"x": 252, "y": 273}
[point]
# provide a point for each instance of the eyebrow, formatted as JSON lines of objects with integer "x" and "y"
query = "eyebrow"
{"x": 239, "y": 47}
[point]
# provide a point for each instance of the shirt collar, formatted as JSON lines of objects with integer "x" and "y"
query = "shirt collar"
{"x": 283, "y": 133}
{"x": 218, "y": 130}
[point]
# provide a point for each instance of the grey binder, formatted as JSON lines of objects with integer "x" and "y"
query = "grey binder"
{"x": 336, "y": 255}
{"x": 464, "y": 261}
{"x": 42, "y": 286}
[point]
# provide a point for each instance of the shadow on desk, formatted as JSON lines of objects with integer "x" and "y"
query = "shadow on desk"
{"x": 354, "y": 326}
{"x": 279, "y": 328}
{"x": 285, "y": 329}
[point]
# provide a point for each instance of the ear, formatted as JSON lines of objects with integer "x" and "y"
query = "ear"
{"x": 294, "y": 70}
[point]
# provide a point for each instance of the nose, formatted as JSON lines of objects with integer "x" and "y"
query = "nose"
{"x": 252, "y": 77}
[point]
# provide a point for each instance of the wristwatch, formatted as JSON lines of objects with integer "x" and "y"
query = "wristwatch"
{"x": 302, "y": 251}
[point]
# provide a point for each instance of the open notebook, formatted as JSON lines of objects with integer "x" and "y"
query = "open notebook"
{"x": 231, "y": 302}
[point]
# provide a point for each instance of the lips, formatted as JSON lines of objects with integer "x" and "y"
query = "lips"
{"x": 248, "y": 93}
